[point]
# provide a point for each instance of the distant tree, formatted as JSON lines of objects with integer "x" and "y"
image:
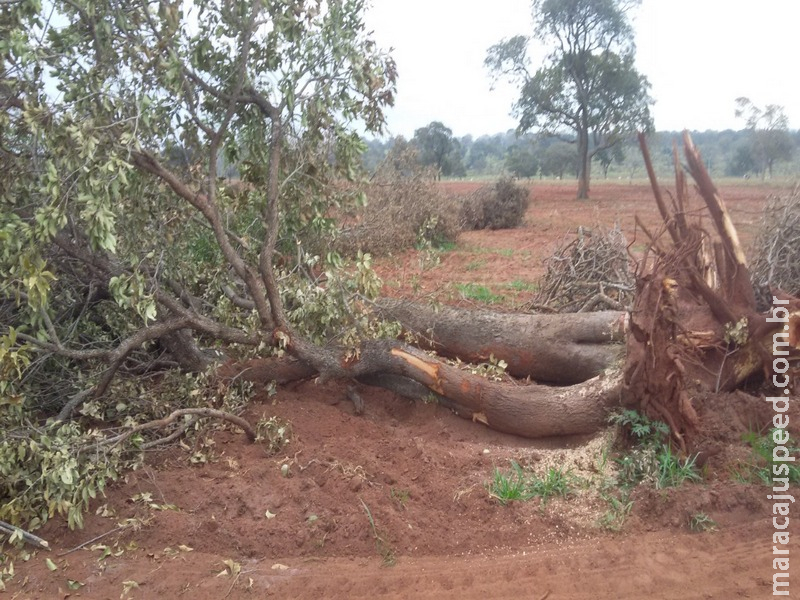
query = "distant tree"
{"x": 559, "y": 158}
{"x": 485, "y": 152}
{"x": 588, "y": 85}
{"x": 376, "y": 150}
{"x": 522, "y": 160}
{"x": 741, "y": 162}
{"x": 438, "y": 148}
{"x": 770, "y": 141}
{"x": 608, "y": 156}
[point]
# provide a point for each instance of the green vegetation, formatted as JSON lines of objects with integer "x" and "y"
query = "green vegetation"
{"x": 762, "y": 466}
{"x": 518, "y": 285}
{"x": 651, "y": 459}
{"x": 588, "y": 84}
{"x": 169, "y": 202}
{"x": 478, "y": 293}
{"x": 520, "y": 484}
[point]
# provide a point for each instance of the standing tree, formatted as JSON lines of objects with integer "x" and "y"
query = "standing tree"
{"x": 770, "y": 141}
{"x": 522, "y": 159}
{"x": 589, "y": 84}
{"x": 439, "y": 149}
{"x": 559, "y": 158}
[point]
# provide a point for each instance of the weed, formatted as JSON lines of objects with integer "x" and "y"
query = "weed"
{"x": 479, "y": 293}
{"x": 672, "y": 471}
{"x": 556, "y": 482}
{"x": 400, "y": 496}
{"x": 384, "y": 549}
{"x": 701, "y": 522}
{"x": 764, "y": 468}
{"x": 475, "y": 265}
{"x": 510, "y": 485}
{"x": 619, "y": 507}
{"x": 651, "y": 459}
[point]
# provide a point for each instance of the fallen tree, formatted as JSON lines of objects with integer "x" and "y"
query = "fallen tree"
{"x": 125, "y": 252}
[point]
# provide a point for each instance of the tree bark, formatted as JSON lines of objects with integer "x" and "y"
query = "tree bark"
{"x": 562, "y": 349}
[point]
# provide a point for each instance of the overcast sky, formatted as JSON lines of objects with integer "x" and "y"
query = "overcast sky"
{"x": 699, "y": 55}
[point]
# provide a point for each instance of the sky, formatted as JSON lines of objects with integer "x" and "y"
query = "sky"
{"x": 699, "y": 56}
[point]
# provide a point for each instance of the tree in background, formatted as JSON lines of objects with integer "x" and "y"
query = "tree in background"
{"x": 770, "y": 141}
{"x": 558, "y": 159}
{"x": 588, "y": 85}
{"x": 438, "y": 148}
{"x": 608, "y": 156}
{"x": 522, "y": 159}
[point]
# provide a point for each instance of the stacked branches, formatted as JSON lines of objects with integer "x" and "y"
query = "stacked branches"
{"x": 589, "y": 273}
{"x": 776, "y": 263}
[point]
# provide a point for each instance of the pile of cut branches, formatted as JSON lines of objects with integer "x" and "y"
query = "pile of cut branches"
{"x": 777, "y": 247}
{"x": 591, "y": 272}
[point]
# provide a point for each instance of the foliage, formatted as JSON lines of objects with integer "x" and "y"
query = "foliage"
{"x": 560, "y": 159}
{"x": 122, "y": 247}
{"x": 500, "y": 206}
{"x": 508, "y": 486}
{"x": 478, "y": 293}
{"x": 273, "y": 433}
{"x": 439, "y": 149}
{"x": 56, "y": 469}
{"x": 522, "y": 160}
{"x": 651, "y": 460}
{"x": 589, "y": 84}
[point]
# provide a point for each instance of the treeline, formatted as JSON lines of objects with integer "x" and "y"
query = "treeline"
{"x": 729, "y": 153}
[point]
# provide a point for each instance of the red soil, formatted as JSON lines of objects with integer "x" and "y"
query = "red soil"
{"x": 419, "y": 472}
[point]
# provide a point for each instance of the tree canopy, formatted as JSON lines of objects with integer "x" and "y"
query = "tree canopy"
{"x": 438, "y": 148}
{"x": 121, "y": 243}
{"x": 769, "y": 142}
{"x": 588, "y": 85}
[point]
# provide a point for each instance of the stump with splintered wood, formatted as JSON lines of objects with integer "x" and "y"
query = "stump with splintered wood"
{"x": 694, "y": 324}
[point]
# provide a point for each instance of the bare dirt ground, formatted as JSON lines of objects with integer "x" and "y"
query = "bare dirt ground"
{"x": 393, "y": 503}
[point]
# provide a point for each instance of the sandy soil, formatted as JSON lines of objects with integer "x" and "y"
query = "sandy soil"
{"x": 234, "y": 526}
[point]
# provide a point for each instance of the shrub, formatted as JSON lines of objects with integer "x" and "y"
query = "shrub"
{"x": 501, "y": 206}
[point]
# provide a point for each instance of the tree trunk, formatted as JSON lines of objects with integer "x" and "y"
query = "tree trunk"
{"x": 584, "y": 164}
{"x": 561, "y": 349}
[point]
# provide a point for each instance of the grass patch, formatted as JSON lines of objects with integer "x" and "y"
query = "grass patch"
{"x": 520, "y": 484}
{"x": 518, "y": 285}
{"x": 478, "y": 293}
